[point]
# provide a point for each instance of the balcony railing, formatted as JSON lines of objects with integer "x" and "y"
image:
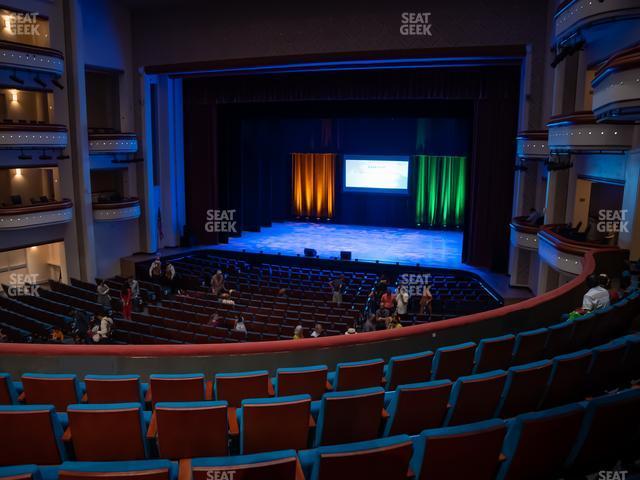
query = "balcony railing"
{"x": 524, "y": 234}
{"x": 573, "y": 15}
{"x": 616, "y": 87}
{"x": 21, "y": 57}
{"x": 580, "y": 133}
{"x": 36, "y": 215}
{"x": 116, "y": 211}
{"x": 564, "y": 254}
{"x": 112, "y": 143}
{"x": 32, "y": 135}
{"x": 533, "y": 144}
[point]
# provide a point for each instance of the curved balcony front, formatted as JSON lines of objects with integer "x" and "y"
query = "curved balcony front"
{"x": 616, "y": 88}
{"x": 533, "y": 144}
{"x": 35, "y": 215}
{"x": 16, "y": 135}
{"x": 580, "y": 133}
{"x": 523, "y": 234}
{"x": 20, "y": 57}
{"x": 117, "y": 211}
{"x": 112, "y": 143}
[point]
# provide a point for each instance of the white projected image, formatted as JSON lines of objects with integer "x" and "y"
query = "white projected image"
{"x": 376, "y": 174}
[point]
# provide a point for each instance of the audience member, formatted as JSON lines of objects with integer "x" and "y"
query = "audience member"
{"x": 155, "y": 270}
{"x": 298, "y": 333}
{"x": 350, "y": 331}
{"x": 426, "y": 300}
{"x": 337, "y": 286}
{"x": 239, "y": 325}
{"x": 3, "y": 337}
{"x": 597, "y": 296}
{"x": 102, "y": 331}
{"x": 318, "y": 331}
{"x": 217, "y": 283}
{"x": 402, "y": 301}
{"x": 213, "y": 319}
{"x": 533, "y": 216}
{"x": 226, "y": 299}
{"x": 394, "y": 322}
{"x": 370, "y": 323}
{"x": 104, "y": 298}
{"x": 387, "y": 301}
{"x": 56, "y": 335}
{"x": 126, "y": 298}
{"x": 135, "y": 288}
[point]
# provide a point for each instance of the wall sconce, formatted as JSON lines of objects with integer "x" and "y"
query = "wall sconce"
{"x": 7, "y": 20}
{"x": 14, "y": 96}
{"x": 18, "y": 172}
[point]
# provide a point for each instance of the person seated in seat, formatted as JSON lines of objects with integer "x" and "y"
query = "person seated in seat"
{"x": 240, "y": 325}
{"x": 318, "y": 331}
{"x": 226, "y": 299}
{"x": 337, "y": 287}
{"x": 56, "y": 335}
{"x": 298, "y": 333}
{"x": 394, "y": 322}
{"x": 102, "y": 331}
{"x": 350, "y": 331}
{"x": 155, "y": 270}
{"x": 382, "y": 318}
{"x": 597, "y": 296}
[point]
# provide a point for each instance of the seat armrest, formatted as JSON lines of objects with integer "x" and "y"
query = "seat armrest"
{"x": 385, "y": 414}
{"x": 272, "y": 393}
{"x": 234, "y": 429}
{"x": 84, "y": 398}
{"x": 66, "y": 436}
{"x": 327, "y": 386}
{"x": 22, "y": 397}
{"x": 147, "y": 396}
{"x": 184, "y": 469}
{"x": 208, "y": 394}
{"x": 502, "y": 457}
{"x": 152, "y": 431}
{"x": 312, "y": 421}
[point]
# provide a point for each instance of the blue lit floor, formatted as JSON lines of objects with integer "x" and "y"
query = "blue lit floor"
{"x": 434, "y": 248}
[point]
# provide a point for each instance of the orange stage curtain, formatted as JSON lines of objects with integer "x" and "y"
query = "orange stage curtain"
{"x": 314, "y": 184}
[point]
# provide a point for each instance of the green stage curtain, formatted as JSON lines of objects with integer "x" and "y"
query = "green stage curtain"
{"x": 440, "y": 191}
{"x": 313, "y": 184}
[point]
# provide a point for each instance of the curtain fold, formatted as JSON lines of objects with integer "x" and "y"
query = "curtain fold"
{"x": 440, "y": 191}
{"x": 313, "y": 177}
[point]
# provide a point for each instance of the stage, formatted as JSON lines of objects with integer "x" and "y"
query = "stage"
{"x": 407, "y": 246}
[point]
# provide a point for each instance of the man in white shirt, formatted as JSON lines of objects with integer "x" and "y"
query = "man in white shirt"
{"x": 596, "y": 297}
{"x": 402, "y": 301}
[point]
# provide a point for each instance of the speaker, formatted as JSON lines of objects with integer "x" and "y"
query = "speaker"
{"x": 345, "y": 255}
{"x": 310, "y": 252}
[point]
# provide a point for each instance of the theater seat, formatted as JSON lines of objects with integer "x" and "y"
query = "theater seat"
{"x": 8, "y": 392}
{"x": 610, "y": 432}
{"x": 352, "y": 416}
{"x": 279, "y": 423}
{"x": 631, "y": 366}
{"x": 30, "y": 434}
{"x": 115, "y": 389}
{"x": 405, "y": 369}
{"x": 475, "y": 397}
{"x": 385, "y": 458}
{"x": 538, "y": 444}
{"x": 356, "y": 375}
{"x": 567, "y": 380}
{"x": 605, "y": 371}
{"x": 559, "y": 338}
{"x": 582, "y": 329}
{"x": 524, "y": 388}
{"x": 470, "y": 451}
{"x": 453, "y": 361}
{"x": 529, "y": 346}
{"x": 235, "y": 387}
{"x": 137, "y": 470}
{"x": 493, "y": 353}
{"x": 108, "y": 432}
{"x": 58, "y": 390}
{"x": 417, "y": 407}
{"x": 191, "y": 429}
{"x": 21, "y": 472}
{"x": 296, "y": 381}
{"x": 190, "y": 387}
{"x": 277, "y": 465}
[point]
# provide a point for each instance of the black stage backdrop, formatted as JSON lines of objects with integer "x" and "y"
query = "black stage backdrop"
{"x": 240, "y": 132}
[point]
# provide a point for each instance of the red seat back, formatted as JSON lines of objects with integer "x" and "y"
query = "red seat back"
{"x": 28, "y": 437}
{"x": 105, "y": 435}
{"x": 477, "y": 399}
{"x": 526, "y": 387}
{"x": 354, "y": 377}
{"x": 352, "y": 419}
{"x": 151, "y": 474}
{"x": 235, "y": 388}
{"x": 58, "y": 392}
{"x": 455, "y": 363}
{"x": 280, "y": 469}
{"x": 419, "y": 408}
{"x": 463, "y": 455}
{"x": 568, "y": 383}
{"x": 105, "y": 390}
{"x": 410, "y": 369}
{"x": 389, "y": 463}
{"x": 192, "y": 431}
{"x": 275, "y": 426}
{"x": 312, "y": 382}
{"x": 184, "y": 389}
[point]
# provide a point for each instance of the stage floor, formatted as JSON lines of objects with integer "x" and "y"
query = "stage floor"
{"x": 434, "y": 248}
